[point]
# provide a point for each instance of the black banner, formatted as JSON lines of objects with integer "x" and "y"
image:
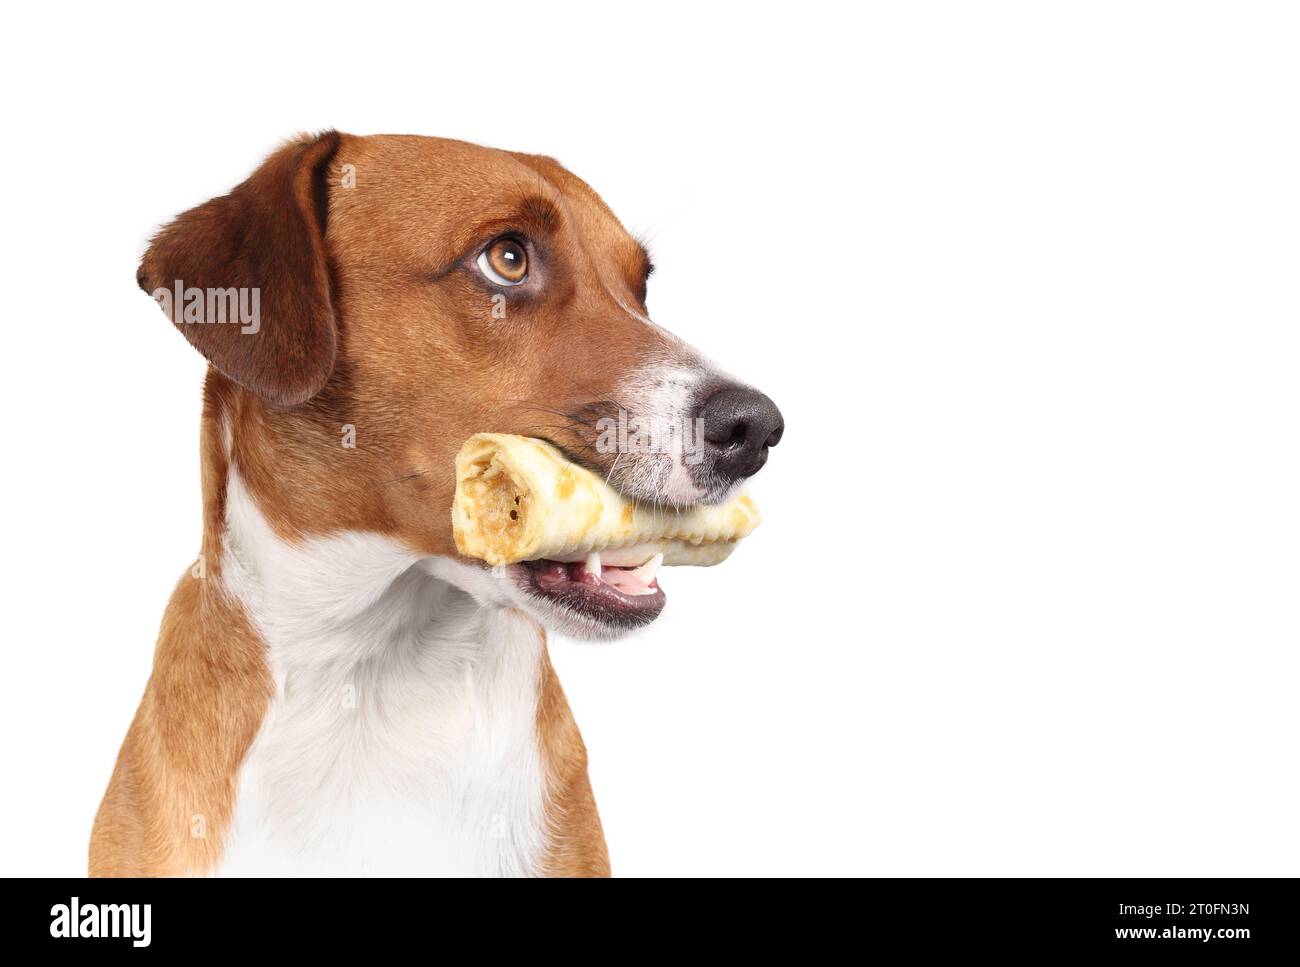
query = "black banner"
{"x": 1225, "y": 918}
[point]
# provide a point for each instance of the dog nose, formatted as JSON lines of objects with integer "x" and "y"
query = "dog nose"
{"x": 739, "y": 426}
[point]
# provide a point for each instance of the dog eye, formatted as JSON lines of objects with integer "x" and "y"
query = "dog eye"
{"x": 504, "y": 262}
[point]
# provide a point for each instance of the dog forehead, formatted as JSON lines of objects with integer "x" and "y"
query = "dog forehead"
{"x": 414, "y": 162}
{"x": 387, "y": 185}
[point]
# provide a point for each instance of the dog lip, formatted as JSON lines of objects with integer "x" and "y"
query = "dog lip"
{"x": 573, "y": 456}
{"x": 578, "y": 591}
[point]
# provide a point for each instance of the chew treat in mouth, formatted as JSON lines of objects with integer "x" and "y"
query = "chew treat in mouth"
{"x": 518, "y": 499}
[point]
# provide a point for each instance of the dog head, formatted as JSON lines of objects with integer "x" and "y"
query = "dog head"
{"x": 368, "y": 303}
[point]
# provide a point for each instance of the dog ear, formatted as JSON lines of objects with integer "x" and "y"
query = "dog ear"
{"x": 264, "y": 246}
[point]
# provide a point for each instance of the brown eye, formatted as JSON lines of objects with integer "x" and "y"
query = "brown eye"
{"x": 504, "y": 262}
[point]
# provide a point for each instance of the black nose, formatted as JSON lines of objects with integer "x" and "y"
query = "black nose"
{"x": 739, "y": 425}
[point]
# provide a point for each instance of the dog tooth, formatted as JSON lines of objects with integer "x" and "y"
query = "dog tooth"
{"x": 593, "y": 563}
{"x": 647, "y": 571}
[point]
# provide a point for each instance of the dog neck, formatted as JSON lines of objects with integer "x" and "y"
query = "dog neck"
{"x": 339, "y": 703}
{"x": 404, "y": 730}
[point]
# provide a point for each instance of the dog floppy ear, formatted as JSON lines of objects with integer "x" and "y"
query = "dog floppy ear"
{"x": 259, "y": 250}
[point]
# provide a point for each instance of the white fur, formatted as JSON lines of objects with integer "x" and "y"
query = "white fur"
{"x": 663, "y": 396}
{"x": 660, "y": 398}
{"x": 402, "y": 735}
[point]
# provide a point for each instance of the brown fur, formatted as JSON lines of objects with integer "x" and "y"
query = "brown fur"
{"x": 173, "y": 789}
{"x": 577, "y": 843}
{"x": 266, "y": 234}
{"x": 369, "y": 318}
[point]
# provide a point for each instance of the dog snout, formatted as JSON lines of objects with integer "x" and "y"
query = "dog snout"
{"x": 740, "y": 426}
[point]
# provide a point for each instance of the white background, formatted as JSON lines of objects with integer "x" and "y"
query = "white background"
{"x": 1022, "y": 277}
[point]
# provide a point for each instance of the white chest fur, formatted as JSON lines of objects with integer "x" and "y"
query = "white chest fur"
{"x": 402, "y": 736}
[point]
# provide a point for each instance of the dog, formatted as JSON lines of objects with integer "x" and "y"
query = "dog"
{"x": 335, "y": 690}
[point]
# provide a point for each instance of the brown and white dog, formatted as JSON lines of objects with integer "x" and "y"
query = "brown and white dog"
{"x": 335, "y": 689}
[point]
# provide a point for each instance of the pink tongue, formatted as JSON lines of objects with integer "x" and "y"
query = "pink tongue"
{"x": 617, "y": 578}
{"x": 624, "y": 581}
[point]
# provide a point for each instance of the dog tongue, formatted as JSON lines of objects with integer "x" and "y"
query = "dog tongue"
{"x": 629, "y": 581}
{"x": 623, "y": 579}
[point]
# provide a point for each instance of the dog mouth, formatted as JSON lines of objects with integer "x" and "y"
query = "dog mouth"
{"x": 612, "y": 595}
